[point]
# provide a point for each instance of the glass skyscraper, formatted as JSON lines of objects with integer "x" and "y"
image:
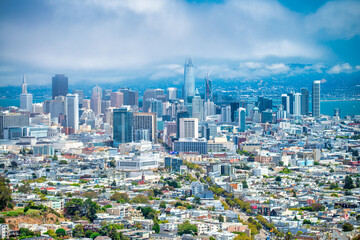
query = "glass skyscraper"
{"x": 304, "y": 101}
{"x": 189, "y": 79}
{"x": 59, "y": 85}
{"x": 316, "y": 99}
{"x": 123, "y": 125}
{"x": 242, "y": 119}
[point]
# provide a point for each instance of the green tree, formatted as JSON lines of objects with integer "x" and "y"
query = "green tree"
{"x": 245, "y": 185}
{"x": 88, "y": 233}
{"x": 156, "y": 227}
{"x": 91, "y": 209}
{"x": 140, "y": 199}
{"x": 138, "y": 225}
{"x": 63, "y": 162}
{"x": 348, "y": 182}
{"x": 197, "y": 200}
{"x": 148, "y": 212}
{"x": 113, "y": 184}
{"x": 112, "y": 164}
{"x": 119, "y": 197}
{"x": 358, "y": 182}
{"x": 94, "y": 235}
{"x": 60, "y": 232}
{"x": 187, "y": 228}
{"x": 24, "y": 232}
{"x": 55, "y": 157}
{"x": 162, "y": 204}
{"x": 5, "y": 193}
{"x": 221, "y": 218}
{"x": 278, "y": 179}
{"x": 26, "y": 209}
{"x": 347, "y": 227}
{"x": 78, "y": 231}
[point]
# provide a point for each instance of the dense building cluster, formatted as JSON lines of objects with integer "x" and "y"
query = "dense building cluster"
{"x": 177, "y": 165}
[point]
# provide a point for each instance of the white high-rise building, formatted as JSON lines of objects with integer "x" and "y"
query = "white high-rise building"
{"x": 72, "y": 111}
{"x": 172, "y": 93}
{"x": 26, "y": 99}
{"x": 98, "y": 90}
{"x": 189, "y": 128}
{"x": 316, "y": 99}
{"x": 209, "y": 108}
{"x": 226, "y": 114}
{"x": 189, "y": 79}
{"x": 197, "y": 107}
{"x": 297, "y": 104}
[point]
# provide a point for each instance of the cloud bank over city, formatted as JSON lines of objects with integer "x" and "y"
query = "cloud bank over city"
{"x": 151, "y": 38}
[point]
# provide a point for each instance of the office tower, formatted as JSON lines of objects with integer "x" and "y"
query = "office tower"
{"x": 266, "y": 116}
{"x": 104, "y": 105}
{"x": 59, "y": 85}
{"x": 189, "y": 127}
{"x": 250, "y": 110}
{"x": 208, "y": 88}
{"x": 297, "y": 104}
{"x": 281, "y": 113}
{"x": 72, "y": 111}
{"x": 149, "y": 95}
{"x": 11, "y": 125}
{"x": 156, "y": 106}
{"x": 37, "y": 108}
{"x": 316, "y": 99}
{"x": 234, "y": 107}
{"x": 131, "y": 98}
{"x": 290, "y": 103}
{"x": 305, "y": 101}
{"x": 142, "y": 135}
{"x": 226, "y": 114}
{"x": 285, "y": 102}
{"x": 57, "y": 107}
{"x": 116, "y": 99}
{"x": 171, "y": 93}
{"x": 242, "y": 119}
{"x": 26, "y": 99}
{"x": 209, "y": 108}
{"x": 80, "y": 94}
{"x": 189, "y": 79}
{"x": 86, "y": 104}
{"x": 98, "y": 90}
{"x": 123, "y": 126}
{"x": 197, "y": 107}
{"x": 256, "y": 117}
{"x": 180, "y": 114}
{"x": 264, "y": 104}
{"x": 95, "y": 103}
{"x": 106, "y": 94}
{"x": 146, "y": 121}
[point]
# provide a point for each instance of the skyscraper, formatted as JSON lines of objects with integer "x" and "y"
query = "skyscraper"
{"x": 117, "y": 99}
{"x": 242, "y": 119}
{"x": 80, "y": 93}
{"x": 226, "y": 114}
{"x": 316, "y": 99}
{"x": 180, "y": 114}
{"x": 146, "y": 121}
{"x": 131, "y": 98}
{"x": 304, "y": 101}
{"x": 123, "y": 126}
{"x": 98, "y": 90}
{"x": 172, "y": 93}
{"x": 285, "y": 102}
{"x": 290, "y": 105}
{"x": 208, "y": 88}
{"x": 95, "y": 103}
{"x": 26, "y": 99}
{"x": 297, "y": 104}
{"x": 72, "y": 111}
{"x": 189, "y": 79}
{"x": 59, "y": 85}
{"x": 197, "y": 107}
{"x": 189, "y": 128}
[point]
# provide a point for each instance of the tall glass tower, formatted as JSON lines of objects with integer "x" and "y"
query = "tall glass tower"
{"x": 316, "y": 99}
{"x": 189, "y": 79}
{"x": 242, "y": 119}
{"x": 59, "y": 85}
{"x": 123, "y": 125}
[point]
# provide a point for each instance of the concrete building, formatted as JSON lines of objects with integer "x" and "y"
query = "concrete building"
{"x": 189, "y": 127}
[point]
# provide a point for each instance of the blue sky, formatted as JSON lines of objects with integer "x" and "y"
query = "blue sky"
{"x": 114, "y": 41}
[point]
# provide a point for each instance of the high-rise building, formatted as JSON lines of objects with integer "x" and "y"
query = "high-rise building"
{"x": 146, "y": 121}
{"x": 264, "y": 104}
{"x": 26, "y": 99}
{"x": 11, "y": 124}
{"x": 285, "y": 102}
{"x": 266, "y": 116}
{"x": 116, "y": 99}
{"x": 316, "y": 99}
{"x": 57, "y": 107}
{"x": 95, "y": 103}
{"x": 297, "y": 104}
{"x": 209, "y": 108}
{"x": 123, "y": 126}
{"x": 305, "y": 101}
{"x": 226, "y": 114}
{"x": 197, "y": 107}
{"x": 104, "y": 105}
{"x": 189, "y": 127}
{"x": 131, "y": 98}
{"x": 242, "y": 119}
{"x": 98, "y": 90}
{"x": 59, "y": 85}
{"x": 189, "y": 79}
{"x": 72, "y": 111}
{"x": 234, "y": 107}
{"x": 208, "y": 88}
{"x": 156, "y": 106}
{"x": 180, "y": 114}
{"x": 290, "y": 106}
{"x": 172, "y": 93}
{"x": 106, "y": 94}
{"x": 80, "y": 93}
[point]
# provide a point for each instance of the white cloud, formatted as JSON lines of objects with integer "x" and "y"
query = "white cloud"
{"x": 343, "y": 68}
